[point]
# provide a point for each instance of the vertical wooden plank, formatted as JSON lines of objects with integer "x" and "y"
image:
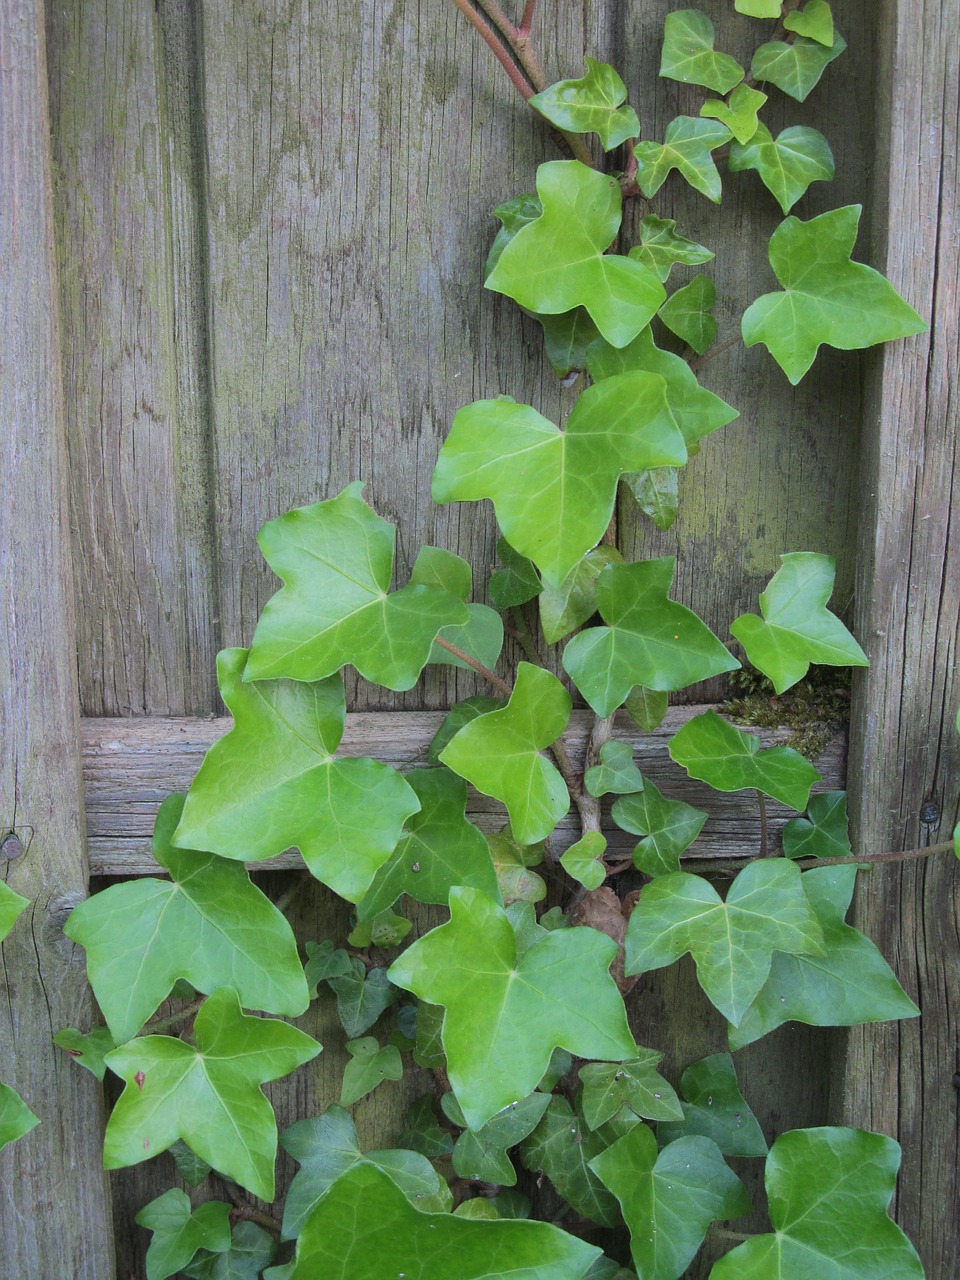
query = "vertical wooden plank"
{"x": 902, "y": 1078}
{"x": 54, "y": 1213}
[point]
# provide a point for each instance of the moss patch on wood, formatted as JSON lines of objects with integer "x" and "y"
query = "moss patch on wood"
{"x": 813, "y": 709}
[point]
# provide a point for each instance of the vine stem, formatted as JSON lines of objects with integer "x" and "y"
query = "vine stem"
{"x": 526, "y": 22}
{"x": 159, "y": 1025}
{"x": 517, "y": 78}
{"x": 736, "y": 864}
{"x": 500, "y": 685}
{"x": 714, "y": 352}
{"x": 243, "y": 1210}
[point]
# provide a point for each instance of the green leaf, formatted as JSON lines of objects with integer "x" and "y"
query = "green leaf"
{"x": 849, "y": 984}
{"x": 823, "y": 833}
{"x": 574, "y": 601}
{"x": 323, "y": 962}
{"x": 656, "y": 493}
{"x": 365, "y": 1218}
{"x": 670, "y": 1199}
{"x": 336, "y": 560}
{"x": 16, "y": 1118}
{"x": 732, "y": 942}
{"x": 649, "y": 640}
{"x": 87, "y": 1050}
{"x": 251, "y": 1249}
{"x": 518, "y": 580}
{"x": 480, "y": 638}
{"x": 616, "y": 772}
{"x": 788, "y": 164}
{"x": 607, "y": 1269}
{"x": 513, "y": 216}
{"x": 646, "y": 707}
{"x": 636, "y": 1083}
{"x": 689, "y": 56}
{"x": 506, "y": 1014}
{"x": 797, "y": 628}
{"x": 686, "y": 147}
{"x": 207, "y": 1094}
{"x": 592, "y": 104}
{"x": 482, "y": 1156}
{"x": 362, "y": 996}
{"x": 460, "y": 713}
{"x": 516, "y": 883}
{"x": 669, "y": 828}
{"x": 714, "y": 1107}
{"x": 190, "y": 1167}
{"x": 687, "y": 313}
{"x": 368, "y": 1067}
{"x": 739, "y": 114}
{"x": 553, "y": 491}
{"x": 557, "y": 262}
{"x": 273, "y": 782}
{"x": 827, "y": 1191}
{"x": 562, "y": 1147}
{"x": 12, "y": 904}
{"x": 815, "y": 22}
{"x": 178, "y": 1232}
{"x": 438, "y": 850}
{"x": 795, "y": 67}
{"x": 500, "y": 753}
{"x": 423, "y": 1134}
{"x": 582, "y": 860}
{"x": 561, "y": 1062}
{"x": 566, "y": 338}
{"x": 208, "y": 924}
{"x": 760, "y": 8}
{"x": 383, "y": 929}
{"x": 727, "y": 759}
{"x": 660, "y": 247}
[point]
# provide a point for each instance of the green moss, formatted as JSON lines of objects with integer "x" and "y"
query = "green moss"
{"x": 813, "y": 709}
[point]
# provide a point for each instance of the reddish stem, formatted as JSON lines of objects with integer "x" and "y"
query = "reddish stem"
{"x": 517, "y": 79}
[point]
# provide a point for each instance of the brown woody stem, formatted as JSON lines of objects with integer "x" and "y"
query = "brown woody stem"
{"x": 500, "y": 685}
{"x": 860, "y": 859}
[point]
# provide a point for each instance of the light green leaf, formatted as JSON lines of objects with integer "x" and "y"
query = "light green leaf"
{"x": 562, "y": 1147}
{"x": 362, "y": 996}
{"x": 670, "y": 1199}
{"x": 687, "y": 313}
{"x": 788, "y": 164}
{"x": 592, "y": 104}
{"x": 687, "y": 147}
{"x": 727, "y": 759}
{"x": 574, "y": 601}
{"x": 478, "y": 1209}
{"x": 439, "y": 848}
{"x": 815, "y": 21}
{"x": 12, "y": 904}
{"x": 660, "y": 247}
{"x": 849, "y": 984}
{"x": 516, "y": 883}
{"x": 251, "y": 1249}
{"x": 689, "y": 56}
{"x": 553, "y": 491}
{"x": 795, "y": 67}
{"x": 482, "y": 1156}
{"x": 207, "y": 1094}
{"x": 518, "y": 580}
{"x": 582, "y": 860}
{"x": 87, "y": 1050}
{"x": 365, "y": 1218}
{"x": 208, "y": 924}
{"x": 368, "y": 1067}
{"x": 823, "y": 833}
{"x": 273, "y": 782}
{"x": 16, "y": 1118}
{"x": 656, "y": 493}
{"x": 714, "y": 1107}
{"x": 460, "y": 713}
{"x": 636, "y": 1083}
{"x": 732, "y": 942}
{"x": 760, "y": 8}
{"x": 178, "y": 1232}
{"x": 480, "y": 638}
{"x": 500, "y": 753}
{"x": 557, "y": 262}
{"x": 505, "y": 1015}
{"x": 616, "y": 772}
{"x": 649, "y": 640}
{"x": 739, "y": 114}
{"x": 828, "y": 1191}
{"x": 513, "y": 216}
{"x": 646, "y": 707}
{"x": 669, "y": 828}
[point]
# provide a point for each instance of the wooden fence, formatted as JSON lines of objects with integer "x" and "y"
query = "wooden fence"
{"x": 240, "y": 258}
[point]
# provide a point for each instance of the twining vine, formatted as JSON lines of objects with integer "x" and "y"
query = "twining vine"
{"x": 518, "y": 1010}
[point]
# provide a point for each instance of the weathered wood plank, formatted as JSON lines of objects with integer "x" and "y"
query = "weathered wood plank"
{"x": 54, "y": 1210}
{"x": 905, "y": 751}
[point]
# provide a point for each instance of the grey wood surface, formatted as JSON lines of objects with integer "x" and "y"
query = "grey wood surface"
{"x": 54, "y": 1206}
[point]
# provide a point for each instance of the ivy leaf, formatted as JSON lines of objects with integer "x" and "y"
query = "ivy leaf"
{"x": 518, "y": 580}
{"x": 273, "y": 782}
{"x": 739, "y": 114}
{"x": 562, "y": 1148}
{"x": 661, "y": 248}
{"x": 823, "y": 833}
{"x": 760, "y": 8}
{"x": 362, "y": 997}
{"x": 815, "y": 21}
{"x": 646, "y": 707}
{"x": 251, "y": 1249}
{"x": 500, "y": 753}
{"x": 506, "y": 1014}
{"x": 207, "y": 1094}
{"x": 480, "y": 638}
{"x": 796, "y": 67}
{"x": 636, "y": 1083}
{"x": 553, "y": 491}
{"x": 325, "y": 961}
{"x": 669, "y": 827}
{"x": 516, "y": 883}
{"x": 179, "y": 1232}
{"x": 582, "y": 860}
{"x": 592, "y": 104}
{"x": 670, "y": 1199}
{"x": 87, "y": 1050}
{"x": 686, "y": 147}
{"x": 439, "y": 849}
{"x": 384, "y": 929}
{"x": 208, "y": 924}
{"x": 797, "y": 628}
{"x": 336, "y": 560}
{"x": 714, "y": 1107}
{"x": 732, "y": 942}
{"x": 687, "y": 313}
{"x": 788, "y": 164}
{"x": 482, "y": 1156}
{"x": 727, "y": 759}
{"x": 12, "y": 905}
{"x": 460, "y": 713}
{"x": 649, "y": 640}
{"x": 616, "y": 772}
{"x": 849, "y": 984}
{"x": 689, "y": 56}
{"x": 190, "y": 1167}
{"x": 423, "y": 1134}
{"x": 566, "y": 338}
{"x": 557, "y": 262}
{"x": 827, "y": 1191}
{"x": 16, "y": 1118}
{"x": 365, "y": 1218}
{"x": 607, "y": 1269}
{"x": 368, "y": 1067}
{"x": 574, "y": 601}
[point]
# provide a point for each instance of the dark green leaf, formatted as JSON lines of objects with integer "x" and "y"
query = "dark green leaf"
{"x": 616, "y": 772}
{"x": 686, "y": 147}
{"x": 574, "y": 601}
{"x": 592, "y": 104}
{"x": 428, "y": 1051}
{"x": 251, "y": 1249}
{"x": 689, "y": 56}
{"x": 323, "y": 962}
{"x": 669, "y": 828}
{"x": 562, "y": 1147}
{"x": 636, "y": 1083}
{"x": 661, "y": 248}
{"x": 566, "y": 338}
{"x": 739, "y": 114}
{"x": 423, "y": 1134}
{"x": 796, "y": 67}
{"x": 646, "y": 707}
{"x": 482, "y": 1155}
{"x": 178, "y": 1233}
{"x": 823, "y": 833}
{"x": 518, "y": 580}
{"x": 362, "y": 996}
{"x": 190, "y": 1167}
{"x": 788, "y": 164}
{"x": 714, "y": 1107}
{"x": 687, "y": 313}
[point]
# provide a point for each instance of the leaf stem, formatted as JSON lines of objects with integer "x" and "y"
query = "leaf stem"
{"x": 736, "y": 864}
{"x": 713, "y": 352}
{"x": 524, "y": 634}
{"x": 244, "y": 1211}
{"x": 500, "y": 685}
{"x": 159, "y": 1025}
{"x": 517, "y": 78}
{"x": 526, "y": 21}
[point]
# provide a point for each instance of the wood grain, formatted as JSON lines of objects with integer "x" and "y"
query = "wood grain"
{"x": 54, "y": 1209}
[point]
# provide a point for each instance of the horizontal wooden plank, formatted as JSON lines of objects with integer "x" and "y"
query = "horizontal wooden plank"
{"x": 130, "y": 765}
